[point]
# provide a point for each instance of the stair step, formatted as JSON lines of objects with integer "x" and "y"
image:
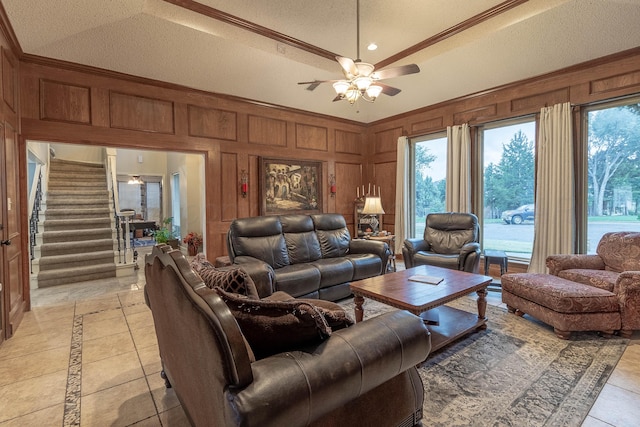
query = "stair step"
{"x": 76, "y": 201}
{"x": 57, "y": 262}
{"x": 75, "y": 235}
{"x": 79, "y": 247}
{"x": 76, "y": 213}
{"x": 76, "y": 224}
{"x": 54, "y": 185}
{"x": 77, "y": 192}
{"x": 76, "y": 274}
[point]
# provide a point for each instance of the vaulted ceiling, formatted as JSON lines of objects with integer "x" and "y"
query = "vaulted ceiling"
{"x": 261, "y": 49}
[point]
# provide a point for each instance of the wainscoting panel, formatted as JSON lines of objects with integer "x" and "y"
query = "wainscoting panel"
{"x": 311, "y": 137}
{"x": 267, "y": 131}
{"x": 65, "y": 102}
{"x": 141, "y": 113}
{"x": 348, "y": 142}
{"x": 212, "y": 123}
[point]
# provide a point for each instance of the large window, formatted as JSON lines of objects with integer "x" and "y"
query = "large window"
{"x": 429, "y": 170}
{"x": 613, "y": 170}
{"x": 508, "y": 153}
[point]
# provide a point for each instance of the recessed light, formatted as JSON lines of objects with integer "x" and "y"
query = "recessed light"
{"x": 372, "y": 46}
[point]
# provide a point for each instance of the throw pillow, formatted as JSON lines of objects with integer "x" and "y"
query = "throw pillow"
{"x": 273, "y": 327}
{"x": 335, "y": 315}
{"x": 231, "y": 279}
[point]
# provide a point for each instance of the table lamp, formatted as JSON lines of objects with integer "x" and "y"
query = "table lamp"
{"x": 373, "y": 208}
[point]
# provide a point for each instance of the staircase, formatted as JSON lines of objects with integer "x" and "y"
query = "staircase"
{"x": 76, "y": 242}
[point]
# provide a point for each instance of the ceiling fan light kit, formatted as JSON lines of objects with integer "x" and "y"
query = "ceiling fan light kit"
{"x": 361, "y": 79}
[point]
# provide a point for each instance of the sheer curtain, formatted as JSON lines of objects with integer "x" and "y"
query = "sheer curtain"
{"x": 402, "y": 189}
{"x": 458, "y": 197}
{"x": 554, "y": 217}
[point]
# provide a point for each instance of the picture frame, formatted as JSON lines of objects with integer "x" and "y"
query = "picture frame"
{"x": 290, "y": 186}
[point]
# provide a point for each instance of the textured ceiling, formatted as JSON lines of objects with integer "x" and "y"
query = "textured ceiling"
{"x": 176, "y": 41}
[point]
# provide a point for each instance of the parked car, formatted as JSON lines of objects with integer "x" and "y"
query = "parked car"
{"x": 517, "y": 216}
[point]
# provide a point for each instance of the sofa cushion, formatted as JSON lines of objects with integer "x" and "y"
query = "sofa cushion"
{"x": 560, "y": 295}
{"x": 436, "y": 259}
{"x": 603, "y": 279}
{"x": 365, "y": 265}
{"x": 620, "y": 251}
{"x": 334, "y": 271}
{"x": 231, "y": 279}
{"x": 300, "y": 238}
{"x": 297, "y": 279}
{"x": 333, "y": 234}
{"x": 272, "y": 327}
{"x": 261, "y": 238}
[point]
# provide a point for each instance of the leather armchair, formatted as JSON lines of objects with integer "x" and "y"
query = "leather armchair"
{"x": 450, "y": 241}
{"x": 361, "y": 375}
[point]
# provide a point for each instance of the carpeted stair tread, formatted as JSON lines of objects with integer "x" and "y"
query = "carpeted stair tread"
{"x": 76, "y": 274}
{"x": 75, "y": 224}
{"x": 73, "y": 260}
{"x": 75, "y": 235}
{"x": 80, "y": 247}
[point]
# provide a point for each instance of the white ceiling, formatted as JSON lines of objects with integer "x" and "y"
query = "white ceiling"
{"x": 160, "y": 40}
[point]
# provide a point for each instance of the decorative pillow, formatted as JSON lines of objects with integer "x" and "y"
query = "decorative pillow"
{"x": 231, "y": 279}
{"x": 335, "y": 315}
{"x": 272, "y": 327}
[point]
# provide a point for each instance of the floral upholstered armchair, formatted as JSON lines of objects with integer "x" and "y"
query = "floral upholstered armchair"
{"x": 615, "y": 267}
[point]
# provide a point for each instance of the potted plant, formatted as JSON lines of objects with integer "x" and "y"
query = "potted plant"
{"x": 164, "y": 234}
{"x": 193, "y": 241}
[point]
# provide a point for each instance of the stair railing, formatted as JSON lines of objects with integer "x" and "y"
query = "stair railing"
{"x": 124, "y": 243}
{"x": 35, "y": 200}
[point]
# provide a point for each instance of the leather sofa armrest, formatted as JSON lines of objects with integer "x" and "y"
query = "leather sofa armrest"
{"x": 410, "y": 247}
{"x": 260, "y": 272}
{"x": 469, "y": 258}
{"x": 356, "y": 360}
{"x": 363, "y": 246}
{"x": 557, "y": 263}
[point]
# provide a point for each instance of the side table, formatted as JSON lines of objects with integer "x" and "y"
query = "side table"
{"x": 389, "y": 239}
{"x": 495, "y": 257}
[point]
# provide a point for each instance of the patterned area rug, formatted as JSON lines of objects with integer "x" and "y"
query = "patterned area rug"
{"x": 514, "y": 373}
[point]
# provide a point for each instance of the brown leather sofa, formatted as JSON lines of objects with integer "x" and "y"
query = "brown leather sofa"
{"x": 450, "y": 241}
{"x": 310, "y": 256}
{"x": 362, "y": 375}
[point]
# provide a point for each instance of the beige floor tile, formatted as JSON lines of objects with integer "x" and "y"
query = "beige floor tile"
{"x": 144, "y": 337}
{"x": 174, "y": 417}
{"x": 132, "y": 298}
{"x": 34, "y": 343}
{"x": 141, "y": 319}
{"x": 33, "y": 365}
{"x": 23, "y": 397}
{"x": 42, "y": 319}
{"x": 165, "y": 398}
{"x": 627, "y": 372}
{"x": 95, "y": 305}
{"x": 103, "y": 328}
{"x": 617, "y": 407}
{"x": 150, "y": 359}
{"x": 122, "y": 405}
{"x": 149, "y": 422}
{"x": 108, "y": 346}
{"x": 51, "y": 416}
{"x": 135, "y": 308}
{"x": 101, "y": 316}
{"x": 110, "y": 372}
{"x": 594, "y": 422}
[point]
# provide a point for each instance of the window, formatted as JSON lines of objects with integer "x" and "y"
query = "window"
{"x": 429, "y": 170}
{"x": 145, "y": 199}
{"x": 508, "y": 153}
{"x": 613, "y": 170}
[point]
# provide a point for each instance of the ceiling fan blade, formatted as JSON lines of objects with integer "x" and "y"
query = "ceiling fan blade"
{"x": 338, "y": 98}
{"x": 389, "y": 90}
{"x": 315, "y": 83}
{"x": 348, "y": 66}
{"x": 388, "y": 73}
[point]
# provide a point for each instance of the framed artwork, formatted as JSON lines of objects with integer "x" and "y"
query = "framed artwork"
{"x": 290, "y": 186}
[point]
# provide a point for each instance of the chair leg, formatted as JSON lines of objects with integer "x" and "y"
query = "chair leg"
{"x": 167, "y": 383}
{"x": 626, "y": 333}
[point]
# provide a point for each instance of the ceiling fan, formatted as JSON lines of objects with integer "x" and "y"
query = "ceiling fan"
{"x": 361, "y": 80}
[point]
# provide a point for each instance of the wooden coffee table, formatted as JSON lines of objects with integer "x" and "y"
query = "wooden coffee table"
{"x": 446, "y": 324}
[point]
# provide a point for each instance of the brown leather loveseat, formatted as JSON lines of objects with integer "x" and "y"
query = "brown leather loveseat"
{"x": 361, "y": 375}
{"x": 310, "y": 256}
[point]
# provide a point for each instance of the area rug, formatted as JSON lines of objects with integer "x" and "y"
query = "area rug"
{"x": 514, "y": 373}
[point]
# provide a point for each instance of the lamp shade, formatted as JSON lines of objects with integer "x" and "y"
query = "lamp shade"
{"x": 373, "y": 206}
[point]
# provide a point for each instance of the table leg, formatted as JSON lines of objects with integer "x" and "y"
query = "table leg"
{"x": 359, "y": 311}
{"x": 482, "y": 306}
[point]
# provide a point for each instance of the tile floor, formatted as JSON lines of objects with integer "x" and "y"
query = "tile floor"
{"x": 86, "y": 355}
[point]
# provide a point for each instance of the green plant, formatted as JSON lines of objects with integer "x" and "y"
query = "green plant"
{"x": 165, "y": 232}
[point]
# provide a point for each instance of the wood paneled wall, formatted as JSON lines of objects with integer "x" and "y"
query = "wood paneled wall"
{"x": 606, "y": 78}
{"x": 76, "y": 105}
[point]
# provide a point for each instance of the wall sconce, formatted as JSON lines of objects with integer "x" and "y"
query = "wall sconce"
{"x": 332, "y": 185}
{"x": 244, "y": 183}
